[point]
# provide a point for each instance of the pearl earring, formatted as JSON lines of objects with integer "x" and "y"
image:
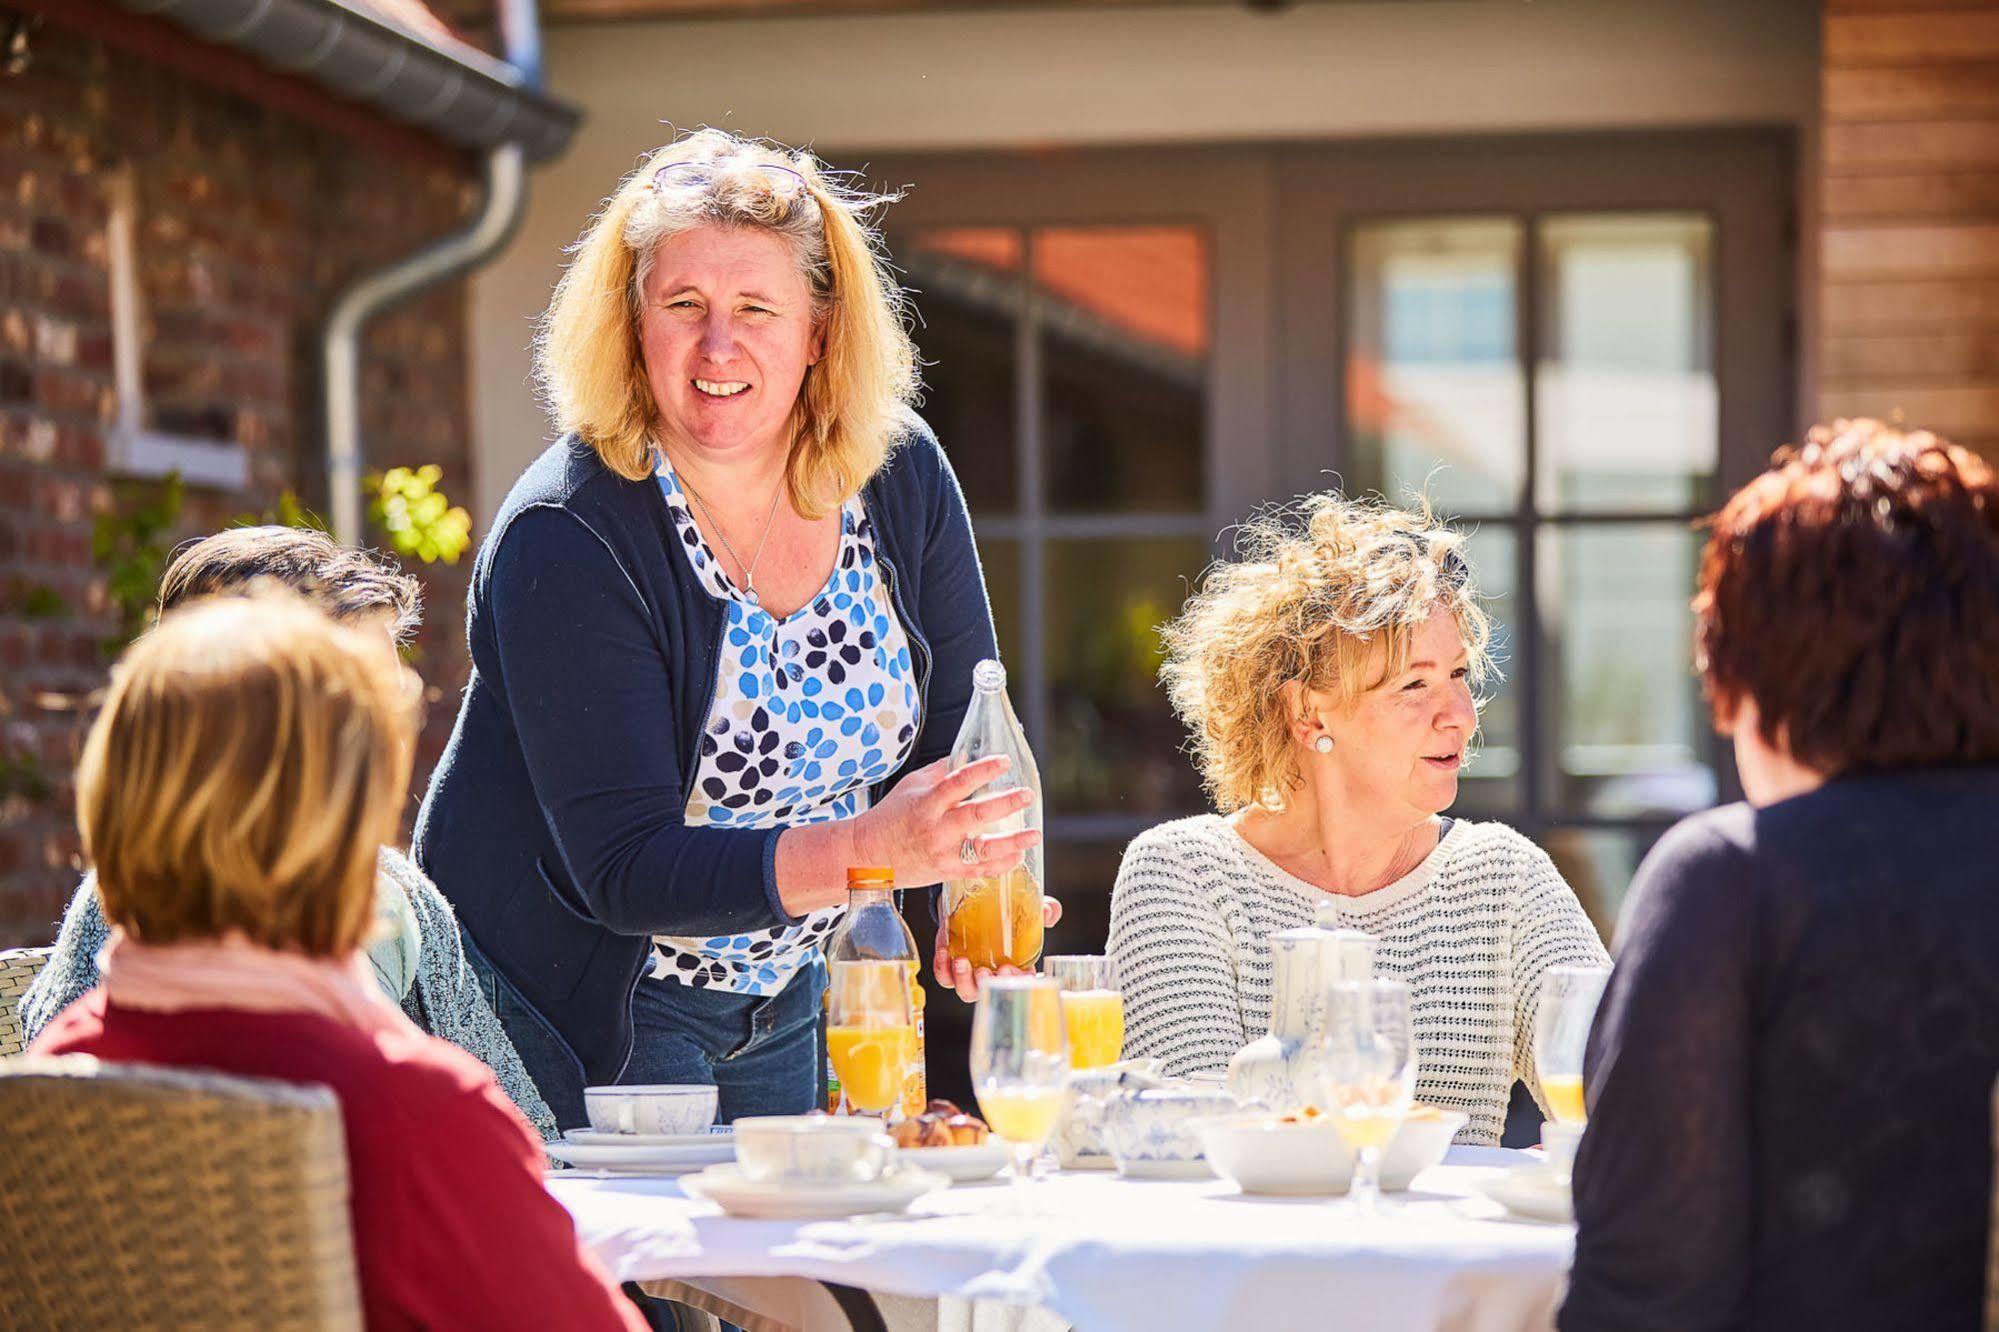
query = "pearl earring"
{"x": 1324, "y": 744}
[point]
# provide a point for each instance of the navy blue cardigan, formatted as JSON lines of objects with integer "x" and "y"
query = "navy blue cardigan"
{"x": 554, "y": 818}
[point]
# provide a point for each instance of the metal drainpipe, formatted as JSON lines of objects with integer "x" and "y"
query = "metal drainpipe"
{"x": 446, "y": 257}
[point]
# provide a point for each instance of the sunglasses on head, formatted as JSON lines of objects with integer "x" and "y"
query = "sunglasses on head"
{"x": 780, "y": 181}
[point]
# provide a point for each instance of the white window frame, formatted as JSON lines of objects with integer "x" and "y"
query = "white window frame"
{"x": 133, "y": 448}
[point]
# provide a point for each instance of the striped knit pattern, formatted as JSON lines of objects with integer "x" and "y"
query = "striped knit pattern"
{"x": 1470, "y": 930}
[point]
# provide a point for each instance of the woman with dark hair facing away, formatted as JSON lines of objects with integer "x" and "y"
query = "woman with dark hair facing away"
{"x": 1790, "y": 1080}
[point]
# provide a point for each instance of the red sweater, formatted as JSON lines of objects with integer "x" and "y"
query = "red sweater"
{"x": 452, "y": 1226}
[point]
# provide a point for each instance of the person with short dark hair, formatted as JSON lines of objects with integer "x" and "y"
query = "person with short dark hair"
{"x": 1790, "y": 1079}
{"x": 415, "y": 951}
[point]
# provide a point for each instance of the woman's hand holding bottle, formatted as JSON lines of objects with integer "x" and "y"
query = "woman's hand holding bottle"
{"x": 922, "y": 828}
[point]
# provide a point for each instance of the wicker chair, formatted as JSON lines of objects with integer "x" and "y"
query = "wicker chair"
{"x": 18, "y": 967}
{"x": 1992, "y": 1240}
{"x": 151, "y": 1197}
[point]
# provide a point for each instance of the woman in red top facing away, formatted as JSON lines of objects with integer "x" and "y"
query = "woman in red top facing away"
{"x": 251, "y": 758}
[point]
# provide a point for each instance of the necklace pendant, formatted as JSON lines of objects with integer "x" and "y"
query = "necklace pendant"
{"x": 750, "y": 593}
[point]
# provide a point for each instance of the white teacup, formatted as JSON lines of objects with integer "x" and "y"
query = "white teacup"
{"x": 657, "y": 1109}
{"x": 813, "y": 1149}
{"x": 1560, "y": 1141}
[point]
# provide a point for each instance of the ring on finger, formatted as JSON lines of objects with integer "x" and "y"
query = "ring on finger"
{"x": 969, "y": 851}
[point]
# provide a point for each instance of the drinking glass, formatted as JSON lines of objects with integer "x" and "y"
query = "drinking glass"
{"x": 1562, "y": 1021}
{"x": 1092, "y": 1008}
{"x": 870, "y": 1032}
{"x": 1020, "y": 1066}
{"x": 1368, "y": 1071}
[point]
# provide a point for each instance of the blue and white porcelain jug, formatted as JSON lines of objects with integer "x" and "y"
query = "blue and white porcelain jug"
{"x": 1281, "y": 1071}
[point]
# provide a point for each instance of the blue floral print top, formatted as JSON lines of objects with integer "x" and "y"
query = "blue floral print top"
{"x": 810, "y": 711}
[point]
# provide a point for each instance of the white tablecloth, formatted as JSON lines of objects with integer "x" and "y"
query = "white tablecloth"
{"x": 1109, "y": 1254}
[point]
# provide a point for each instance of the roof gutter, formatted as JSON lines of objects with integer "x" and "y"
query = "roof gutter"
{"x": 479, "y": 239}
{"x": 429, "y": 80}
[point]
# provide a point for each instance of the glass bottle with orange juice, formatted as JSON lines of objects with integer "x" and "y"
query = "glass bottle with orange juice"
{"x": 995, "y": 920}
{"x": 873, "y": 931}
{"x": 870, "y": 1032}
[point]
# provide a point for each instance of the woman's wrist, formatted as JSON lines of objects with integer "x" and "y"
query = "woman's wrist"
{"x": 812, "y": 864}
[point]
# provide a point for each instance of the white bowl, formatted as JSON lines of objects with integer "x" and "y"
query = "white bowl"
{"x": 656, "y": 1109}
{"x": 1260, "y": 1154}
{"x": 1419, "y": 1144}
{"x": 1307, "y": 1157}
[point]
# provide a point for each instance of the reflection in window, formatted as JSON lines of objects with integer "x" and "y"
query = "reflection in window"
{"x": 1114, "y": 745}
{"x": 1628, "y": 713}
{"x": 966, "y": 290}
{"x": 1625, "y": 377}
{"x": 1598, "y": 863}
{"x": 1434, "y": 395}
{"x": 1123, "y": 314}
{"x": 1490, "y": 784}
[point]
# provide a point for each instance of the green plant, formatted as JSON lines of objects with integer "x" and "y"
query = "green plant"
{"x": 131, "y": 544}
{"x": 417, "y": 517}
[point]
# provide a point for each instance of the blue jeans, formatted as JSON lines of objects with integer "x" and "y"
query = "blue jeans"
{"x": 763, "y": 1054}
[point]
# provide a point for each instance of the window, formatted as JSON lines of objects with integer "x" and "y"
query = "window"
{"x": 1067, "y": 371}
{"x": 173, "y": 413}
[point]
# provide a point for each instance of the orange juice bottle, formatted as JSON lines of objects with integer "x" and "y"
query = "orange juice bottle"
{"x": 995, "y": 921}
{"x": 873, "y": 931}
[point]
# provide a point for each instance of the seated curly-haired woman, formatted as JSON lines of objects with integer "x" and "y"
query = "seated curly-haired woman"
{"x": 1329, "y": 681}
{"x": 251, "y": 759}
{"x": 1790, "y": 1080}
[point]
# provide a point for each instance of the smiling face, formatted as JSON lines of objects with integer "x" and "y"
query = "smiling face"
{"x": 727, "y": 332}
{"x": 1402, "y": 743}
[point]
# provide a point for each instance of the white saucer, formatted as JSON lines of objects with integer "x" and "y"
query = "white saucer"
{"x": 770, "y": 1200}
{"x": 642, "y": 1158}
{"x": 961, "y": 1165}
{"x": 584, "y": 1137}
{"x": 1534, "y": 1192}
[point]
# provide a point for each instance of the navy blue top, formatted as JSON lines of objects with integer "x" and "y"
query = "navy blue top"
{"x": 555, "y": 818}
{"x": 1790, "y": 1078}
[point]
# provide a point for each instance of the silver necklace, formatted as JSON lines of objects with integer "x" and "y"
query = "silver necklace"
{"x": 749, "y": 569}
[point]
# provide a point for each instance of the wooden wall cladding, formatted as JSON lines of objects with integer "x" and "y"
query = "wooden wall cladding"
{"x": 1909, "y": 215}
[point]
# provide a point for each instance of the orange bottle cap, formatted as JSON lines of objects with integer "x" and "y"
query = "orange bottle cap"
{"x": 870, "y": 876}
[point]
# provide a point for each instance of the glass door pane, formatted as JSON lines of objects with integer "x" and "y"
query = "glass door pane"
{"x": 1624, "y": 381}
{"x": 1629, "y": 724}
{"x": 1123, "y": 314}
{"x": 967, "y": 291}
{"x": 1435, "y": 396}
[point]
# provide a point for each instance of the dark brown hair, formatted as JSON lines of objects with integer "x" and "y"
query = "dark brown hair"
{"x": 1852, "y": 593}
{"x": 347, "y": 583}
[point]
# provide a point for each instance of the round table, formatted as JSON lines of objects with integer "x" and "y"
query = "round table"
{"x": 1106, "y": 1254}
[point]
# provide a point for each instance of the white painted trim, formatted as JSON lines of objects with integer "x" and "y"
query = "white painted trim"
{"x": 132, "y": 449}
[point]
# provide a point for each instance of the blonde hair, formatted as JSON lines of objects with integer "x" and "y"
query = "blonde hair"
{"x": 250, "y": 761}
{"x": 1329, "y": 596}
{"x": 588, "y": 357}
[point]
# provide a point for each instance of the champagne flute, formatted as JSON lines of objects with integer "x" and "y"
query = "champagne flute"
{"x": 1368, "y": 1049}
{"x": 870, "y": 1032}
{"x": 1092, "y": 1007}
{"x": 1562, "y": 1019}
{"x": 1020, "y": 1066}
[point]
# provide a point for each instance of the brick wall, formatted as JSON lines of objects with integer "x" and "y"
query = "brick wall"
{"x": 250, "y": 222}
{"x": 1909, "y": 302}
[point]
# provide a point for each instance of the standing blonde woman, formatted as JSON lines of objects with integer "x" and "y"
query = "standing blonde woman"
{"x": 710, "y": 626}
{"x": 1329, "y": 680}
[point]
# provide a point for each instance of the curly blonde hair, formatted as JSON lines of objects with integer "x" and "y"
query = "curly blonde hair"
{"x": 1328, "y": 594}
{"x": 588, "y": 358}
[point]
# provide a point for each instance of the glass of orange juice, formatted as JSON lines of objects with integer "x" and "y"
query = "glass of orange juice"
{"x": 1020, "y": 1066}
{"x": 1562, "y": 1019}
{"x": 870, "y": 1032}
{"x": 1092, "y": 1007}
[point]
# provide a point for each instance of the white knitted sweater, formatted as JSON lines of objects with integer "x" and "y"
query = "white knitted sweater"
{"x": 1471, "y": 930}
